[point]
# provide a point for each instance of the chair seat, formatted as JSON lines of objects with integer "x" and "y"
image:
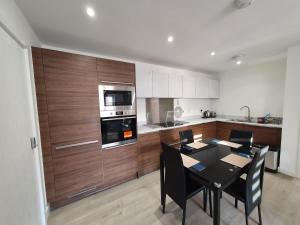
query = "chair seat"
{"x": 237, "y": 189}
{"x": 192, "y": 187}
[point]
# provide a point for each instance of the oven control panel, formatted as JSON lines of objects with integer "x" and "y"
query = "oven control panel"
{"x": 117, "y": 113}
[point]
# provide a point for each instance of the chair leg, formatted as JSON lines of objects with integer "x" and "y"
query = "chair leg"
{"x": 236, "y": 203}
{"x": 205, "y": 199}
{"x": 246, "y": 215}
{"x": 259, "y": 214}
{"x": 183, "y": 215}
{"x": 210, "y": 203}
{"x": 164, "y": 202}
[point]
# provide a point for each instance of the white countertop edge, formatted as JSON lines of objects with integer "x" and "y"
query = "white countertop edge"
{"x": 143, "y": 129}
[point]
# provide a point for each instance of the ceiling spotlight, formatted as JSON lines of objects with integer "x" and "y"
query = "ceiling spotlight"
{"x": 240, "y": 4}
{"x": 238, "y": 59}
{"x": 170, "y": 39}
{"x": 213, "y": 53}
{"x": 90, "y": 11}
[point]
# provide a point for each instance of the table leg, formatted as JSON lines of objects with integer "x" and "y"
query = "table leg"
{"x": 162, "y": 179}
{"x": 217, "y": 196}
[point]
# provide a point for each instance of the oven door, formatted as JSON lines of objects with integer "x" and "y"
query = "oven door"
{"x": 116, "y": 97}
{"x": 117, "y": 131}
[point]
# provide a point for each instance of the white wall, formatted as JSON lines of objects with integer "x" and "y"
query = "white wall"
{"x": 24, "y": 197}
{"x": 259, "y": 86}
{"x": 290, "y": 145}
{"x": 191, "y": 107}
{"x": 13, "y": 20}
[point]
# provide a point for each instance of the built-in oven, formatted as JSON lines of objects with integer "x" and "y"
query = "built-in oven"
{"x": 115, "y": 98}
{"x": 120, "y": 130}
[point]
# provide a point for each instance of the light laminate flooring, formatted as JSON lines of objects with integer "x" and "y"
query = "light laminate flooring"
{"x": 138, "y": 203}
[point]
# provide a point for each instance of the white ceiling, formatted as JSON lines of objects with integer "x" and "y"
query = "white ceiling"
{"x": 138, "y": 29}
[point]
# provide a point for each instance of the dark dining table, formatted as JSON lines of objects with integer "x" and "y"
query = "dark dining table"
{"x": 217, "y": 174}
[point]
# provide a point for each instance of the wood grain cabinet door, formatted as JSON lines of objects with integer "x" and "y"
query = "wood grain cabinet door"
{"x": 261, "y": 135}
{"x": 149, "y": 152}
{"x": 77, "y": 171}
{"x": 171, "y": 136}
{"x": 72, "y": 96}
{"x": 120, "y": 164}
{"x": 115, "y": 71}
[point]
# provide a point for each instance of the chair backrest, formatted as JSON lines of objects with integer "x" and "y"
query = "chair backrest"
{"x": 186, "y": 136}
{"x": 175, "y": 185}
{"x": 244, "y": 138}
{"x": 254, "y": 180}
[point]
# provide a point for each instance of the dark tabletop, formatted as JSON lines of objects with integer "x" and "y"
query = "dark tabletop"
{"x": 217, "y": 173}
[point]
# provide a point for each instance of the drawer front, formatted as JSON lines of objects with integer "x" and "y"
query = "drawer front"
{"x": 120, "y": 164}
{"x": 76, "y": 169}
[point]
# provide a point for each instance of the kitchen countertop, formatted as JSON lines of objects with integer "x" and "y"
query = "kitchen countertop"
{"x": 144, "y": 128}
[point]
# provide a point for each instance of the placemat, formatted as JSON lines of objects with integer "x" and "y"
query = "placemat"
{"x": 188, "y": 161}
{"x": 236, "y": 160}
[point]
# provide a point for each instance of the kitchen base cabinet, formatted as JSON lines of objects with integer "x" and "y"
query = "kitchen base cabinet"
{"x": 149, "y": 152}
{"x": 205, "y": 130}
{"x": 120, "y": 164}
{"x": 171, "y": 136}
{"x": 261, "y": 135}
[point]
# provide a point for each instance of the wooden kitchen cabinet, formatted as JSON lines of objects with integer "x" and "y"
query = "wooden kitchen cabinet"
{"x": 120, "y": 164}
{"x": 149, "y": 152}
{"x": 68, "y": 107}
{"x": 77, "y": 171}
{"x": 72, "y": 97}
{"x": 261, "y": 135}
{"x": 115, "y": 71}
{"x": 205, "y": 130}
{"x": 171, "y": 136}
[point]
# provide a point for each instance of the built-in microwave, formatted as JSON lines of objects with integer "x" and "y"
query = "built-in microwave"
{"x": 115, "y": 99}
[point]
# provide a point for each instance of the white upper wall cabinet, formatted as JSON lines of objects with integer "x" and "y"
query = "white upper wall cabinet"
{"x": 175, "y": 85}
{"x": 160, "y": 83}
{"x": 202, "y": 87}
{"x": 164, "y": 82}
{"x": 214, "y": 89}
{"x": 188, "y": 87}
{"x": 143, "y": 80}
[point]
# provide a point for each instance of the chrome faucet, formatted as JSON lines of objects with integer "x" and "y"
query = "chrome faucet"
{"x": 248, "y": 108}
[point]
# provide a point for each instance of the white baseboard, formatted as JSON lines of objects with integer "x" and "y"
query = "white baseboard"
{"x": 287, "y": 173}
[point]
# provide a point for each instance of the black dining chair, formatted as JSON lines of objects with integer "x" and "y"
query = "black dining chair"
{"x": 186, "y": 136}
{"x": 249, "y": 191}
{"x": 242, "y": 137}
{"x": 177, "y": 185}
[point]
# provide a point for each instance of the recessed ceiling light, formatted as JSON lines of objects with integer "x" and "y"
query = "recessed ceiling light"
{"x": 213, "y": 53}
{"x": 238, "y": 59}
{"x": 170, "y": 39}
{"x": 90, "y": 11}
